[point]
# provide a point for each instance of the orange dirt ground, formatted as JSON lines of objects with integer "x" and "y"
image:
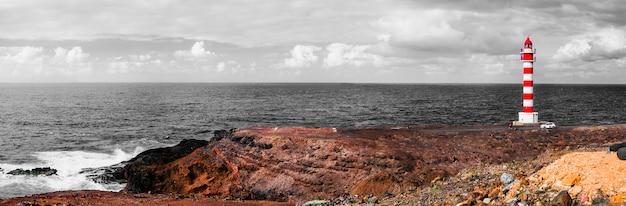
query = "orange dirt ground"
{"x": 584, "y": 173}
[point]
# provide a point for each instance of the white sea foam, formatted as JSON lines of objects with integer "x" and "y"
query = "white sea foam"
{"x": 68, "y": 164}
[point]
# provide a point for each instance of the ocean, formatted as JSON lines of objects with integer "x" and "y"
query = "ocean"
{"x": 74, "y": 126}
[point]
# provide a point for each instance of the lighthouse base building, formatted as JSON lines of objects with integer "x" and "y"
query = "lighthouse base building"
{"x": 528, "y": 118}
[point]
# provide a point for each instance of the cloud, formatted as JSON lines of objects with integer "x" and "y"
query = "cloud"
{"x": 75, "y": 55}
{"x": 607, "y": 43}
{"x": 37, "y": 63}
{"x": 420, "y": 29}
{"x": 221, "y": 66}
{"x": 596, "y": 56}
{"x": 302, "y": 56}
{"x": 70, "y": 62}
{"x": 228, "y": 65}
{"x": 242, "y": 22}
{"x": 21, "y": 55}
{"x": 135, "y": 64}
{"x": 343, "y": 54}
{"x": 19, "y": 60}
{"x": 197, "y": 52}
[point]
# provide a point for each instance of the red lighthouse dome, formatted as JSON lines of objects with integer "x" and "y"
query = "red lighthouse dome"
{"x": 528, "y": 43}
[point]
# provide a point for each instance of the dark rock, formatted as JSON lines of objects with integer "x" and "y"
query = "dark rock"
{"x": 120, "y": 173}
{"x": 562, "y": 199}
{"x": 25, "y": 203}
{"x": 166, "y": 154}
{"x": 370, "y": 199}
{"x": 616, "y": 146}
{"x": 106, "y": 175}
{"x": 249, "y": 141}
{"x": 37, "y": 171}
{"x": 264, "y": 146}
{"x": 387, "y": 195}
{"x": 221, "y": 134}
{"x": 621, "y": 153}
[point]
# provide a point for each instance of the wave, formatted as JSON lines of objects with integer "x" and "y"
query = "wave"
{"x": 69, "y": 166}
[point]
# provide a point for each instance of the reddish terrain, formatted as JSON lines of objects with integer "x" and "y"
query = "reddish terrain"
{"x": 114, "y": 198}
{"x": 298, "y": 164}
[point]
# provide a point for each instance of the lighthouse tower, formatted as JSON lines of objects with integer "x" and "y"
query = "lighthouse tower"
{"x": 527, "y": 57}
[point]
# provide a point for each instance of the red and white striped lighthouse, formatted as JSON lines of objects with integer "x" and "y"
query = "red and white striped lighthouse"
{"x": 528, "y": 57}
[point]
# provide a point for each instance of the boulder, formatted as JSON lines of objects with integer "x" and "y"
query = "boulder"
{"x": 621, "y": 153}
{"x": 616, "y": 146}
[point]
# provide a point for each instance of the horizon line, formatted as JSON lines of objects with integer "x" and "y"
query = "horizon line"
{"x": 389, "y": 83}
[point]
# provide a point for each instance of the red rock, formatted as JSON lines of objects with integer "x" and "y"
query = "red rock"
{"x": 298, "y": 164}
{"x": 479, "y": 193}
{"x": 114, "y": 199}
{"x": 495, "y": 192}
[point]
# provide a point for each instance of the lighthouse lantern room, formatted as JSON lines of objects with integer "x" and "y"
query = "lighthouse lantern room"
{"x": 528, "y": 115}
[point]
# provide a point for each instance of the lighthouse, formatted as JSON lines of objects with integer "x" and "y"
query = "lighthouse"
{"x": 527, "y": 56}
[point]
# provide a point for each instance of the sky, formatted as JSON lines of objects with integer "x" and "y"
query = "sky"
{"x": 360, "y": 41}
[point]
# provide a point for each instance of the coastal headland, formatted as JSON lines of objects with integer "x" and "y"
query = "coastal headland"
{"x": 403, "y": 165}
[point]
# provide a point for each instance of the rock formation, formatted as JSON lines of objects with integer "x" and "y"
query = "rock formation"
{"x": 47, "y": 171}
{"x": 297, "y": 164}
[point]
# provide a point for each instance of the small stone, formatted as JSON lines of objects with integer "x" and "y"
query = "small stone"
{"x": 523, "y": 196}
{"x": 562, "y": 199}
{"x": 315, "y": 202}
{"x": 584, "y": 198}
{"x": 511, "y": 200}
{"x": 465, "y": 203}
{"x": 372, "y": 200}
{"x": 513, "y": 191}
{"x": 510, "y": 186}
{"x": 534, "y": 178}
{"x": 487, "y": 200}
{"x": 495, "y": 192}
{"x": 599, "y": 198}
{"x": 575, "y": 190}
{"x": 479, "y": 193}
{"x": 507, "y": 178}
{"x": 571, "y": 179}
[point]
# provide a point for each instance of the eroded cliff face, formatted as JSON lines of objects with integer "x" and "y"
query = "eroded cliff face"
{"x": 298, "y": 164}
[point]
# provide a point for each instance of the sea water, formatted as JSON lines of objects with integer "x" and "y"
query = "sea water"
{"x": 73, "y": 127}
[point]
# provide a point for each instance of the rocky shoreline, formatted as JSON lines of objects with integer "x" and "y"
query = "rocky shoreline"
{"x": 425, "y": 165}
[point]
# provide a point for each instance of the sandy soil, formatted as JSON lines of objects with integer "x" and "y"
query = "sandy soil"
{"x": 584, "y": 173}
